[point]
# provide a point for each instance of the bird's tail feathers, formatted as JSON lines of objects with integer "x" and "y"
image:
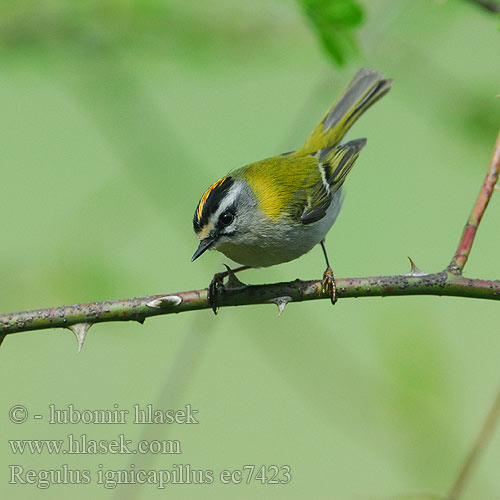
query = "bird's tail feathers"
{"x": 367, "y": 87}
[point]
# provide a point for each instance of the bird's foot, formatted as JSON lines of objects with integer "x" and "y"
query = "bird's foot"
{"x": 328, "y": 285}
{"x": 216, "y": 287}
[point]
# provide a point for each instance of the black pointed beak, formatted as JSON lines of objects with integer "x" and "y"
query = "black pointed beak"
{"x": 204, "y": 245}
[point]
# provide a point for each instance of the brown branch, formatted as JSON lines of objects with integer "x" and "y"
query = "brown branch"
{"x": 449, "y": 282}
{"x": 140, "y": 308}
{"x": 80, "y": 317}
{"x": 459, "y": 260}
{"x": 456, "y": 266}
{"x": 482, "y": 440}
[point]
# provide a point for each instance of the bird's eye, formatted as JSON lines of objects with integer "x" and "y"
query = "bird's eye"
{"x": 226, "y": 218}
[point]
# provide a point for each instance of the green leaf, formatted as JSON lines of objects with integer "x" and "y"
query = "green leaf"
{"x": 333, "y": 21}
{"x": 343, "y": 12}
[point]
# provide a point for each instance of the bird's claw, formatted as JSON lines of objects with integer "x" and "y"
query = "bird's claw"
{"x": 215, "y": 287}
{"x": 328, "y": 285}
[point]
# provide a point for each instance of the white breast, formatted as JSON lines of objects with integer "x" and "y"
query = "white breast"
{"x": 273, "y": 242}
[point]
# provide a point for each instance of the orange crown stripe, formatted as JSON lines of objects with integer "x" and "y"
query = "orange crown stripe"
{"x": 206, "y": 195}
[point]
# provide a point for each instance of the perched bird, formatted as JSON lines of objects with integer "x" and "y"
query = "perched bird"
{"x": 276, "y": 210}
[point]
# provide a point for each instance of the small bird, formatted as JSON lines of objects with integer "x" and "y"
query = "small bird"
{"x": 275, "y": 210}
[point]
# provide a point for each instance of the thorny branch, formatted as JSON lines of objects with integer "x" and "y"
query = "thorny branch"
{"x": 449, "y": 282}
{"x": 140, "y": 308}
{"x": 80, "y": 317}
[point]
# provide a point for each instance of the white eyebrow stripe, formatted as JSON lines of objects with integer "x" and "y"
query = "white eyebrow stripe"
{"x": 227, "y": 201}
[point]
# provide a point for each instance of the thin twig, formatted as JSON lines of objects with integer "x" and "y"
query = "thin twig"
{"x": 489, "y": 5}
{"x": 459, "y": 260}
{"x": 482, "y": 440}
{"x": 457, "y": 264}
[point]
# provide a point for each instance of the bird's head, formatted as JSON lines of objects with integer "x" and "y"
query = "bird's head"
{"x": 221, "y": 213}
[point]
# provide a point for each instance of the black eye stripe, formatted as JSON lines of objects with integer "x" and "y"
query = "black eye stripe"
{"x": 211, "y": 203}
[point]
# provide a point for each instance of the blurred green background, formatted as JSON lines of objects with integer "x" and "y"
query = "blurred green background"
{"x": 116, "y": 115}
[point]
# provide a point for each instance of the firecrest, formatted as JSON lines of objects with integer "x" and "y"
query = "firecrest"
{"x": 276, "y": 210}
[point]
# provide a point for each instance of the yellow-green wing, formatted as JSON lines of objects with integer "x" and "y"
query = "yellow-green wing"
{"x": 300, "y": 188}
{"x": 282, "y": 184}
{"x": 333, "y": 165}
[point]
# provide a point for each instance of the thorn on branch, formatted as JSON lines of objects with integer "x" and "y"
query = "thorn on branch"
{"x": 281, "y": 302}
{"x": 80, "y": 330}
{"x": 233, "y": 283}
{"x": 415, "y": 271}
{"x": 168, "y": 300}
